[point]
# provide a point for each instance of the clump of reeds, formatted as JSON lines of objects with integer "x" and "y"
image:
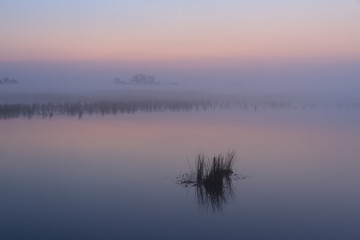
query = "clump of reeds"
{"x": 213, "y": 182}
{"x": 212, "y": 171}
{"x": 212, "y": 179}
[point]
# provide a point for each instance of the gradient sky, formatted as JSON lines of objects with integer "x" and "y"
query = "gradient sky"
{"x": 128, "y": 30}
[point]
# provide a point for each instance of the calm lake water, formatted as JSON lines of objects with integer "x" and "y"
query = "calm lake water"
{"x": 114, "y": 177}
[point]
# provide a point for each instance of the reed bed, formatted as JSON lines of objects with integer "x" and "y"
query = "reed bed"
{"x": 212, "y": 179}
{"x": 78, "y": 109}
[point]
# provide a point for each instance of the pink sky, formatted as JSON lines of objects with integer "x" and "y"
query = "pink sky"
{"x": 182, "y": 32}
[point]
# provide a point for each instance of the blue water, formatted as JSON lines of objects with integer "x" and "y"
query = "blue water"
{"x": 114, "y": 177}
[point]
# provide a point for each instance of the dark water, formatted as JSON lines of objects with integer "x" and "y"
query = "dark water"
{"x": 114, "y": 177}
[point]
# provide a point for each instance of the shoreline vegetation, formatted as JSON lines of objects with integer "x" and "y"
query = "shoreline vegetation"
{"x": 212, "y": 179}
{"x": 114, "y": 107}
{"x": 79, "y": 109}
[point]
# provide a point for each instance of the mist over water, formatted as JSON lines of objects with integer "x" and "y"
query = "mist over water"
{"x": 216, "y": 77}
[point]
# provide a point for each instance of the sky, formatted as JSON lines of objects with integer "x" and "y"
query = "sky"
{"x": 258, "y": 45}
{"x": 158, "y": 30}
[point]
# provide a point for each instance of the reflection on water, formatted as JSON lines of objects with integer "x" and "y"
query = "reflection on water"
{"x": 214, "y": 197}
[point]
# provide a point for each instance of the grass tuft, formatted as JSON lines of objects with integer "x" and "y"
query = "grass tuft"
{"x": 212, "y": 178}
{"x": 211, "y": 172}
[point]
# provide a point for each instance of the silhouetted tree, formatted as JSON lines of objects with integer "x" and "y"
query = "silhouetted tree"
{"x": 119, "y": 81}
{"x": 143, "y": 79}
{"x": 7, "y": 80}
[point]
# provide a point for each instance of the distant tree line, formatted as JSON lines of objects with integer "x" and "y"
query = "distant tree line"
{"x": 8, "y": 81}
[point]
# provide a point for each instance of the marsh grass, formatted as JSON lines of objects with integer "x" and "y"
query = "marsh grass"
{"x": 212, "y": 179}
{"x": 211, "y": 172}
{"x": 79, "y": 109}
{"x": 112, "y": 107}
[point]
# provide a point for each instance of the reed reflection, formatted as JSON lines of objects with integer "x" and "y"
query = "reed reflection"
{"x": 213, "y": 198}
{"x": 212, "y": 180}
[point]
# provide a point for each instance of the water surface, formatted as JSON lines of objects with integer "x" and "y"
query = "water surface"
{"x": 114, "y": 177}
